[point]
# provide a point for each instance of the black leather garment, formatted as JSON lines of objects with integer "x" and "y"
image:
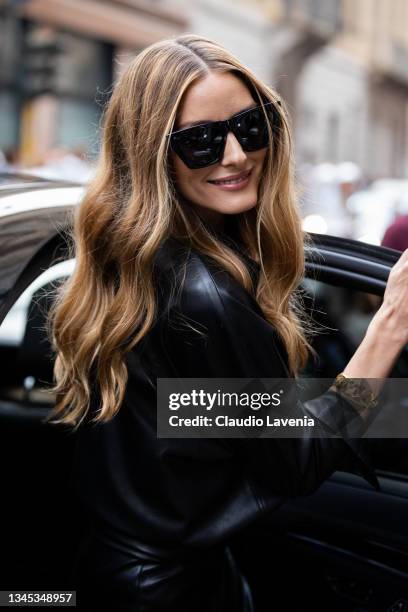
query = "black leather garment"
{"x": 162, "y": 510}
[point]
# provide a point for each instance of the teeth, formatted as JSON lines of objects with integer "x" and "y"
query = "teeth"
{"x": 231, "y": 181}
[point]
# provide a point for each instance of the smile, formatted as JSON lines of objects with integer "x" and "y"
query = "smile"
{"x": 239, "y": 180}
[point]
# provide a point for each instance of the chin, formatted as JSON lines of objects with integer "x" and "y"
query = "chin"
{"x": 234, "y": 208}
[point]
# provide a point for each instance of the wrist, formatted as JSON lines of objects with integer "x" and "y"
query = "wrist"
{"x": 378, "y": 352}
{"x": 358, "y": 391}
{"x": 384, "y": 329}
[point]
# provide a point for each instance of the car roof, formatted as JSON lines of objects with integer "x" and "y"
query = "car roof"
{"x": 13, "y": 182}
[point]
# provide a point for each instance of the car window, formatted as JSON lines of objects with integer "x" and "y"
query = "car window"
{"x": 343, "y": 315}
{"x": 24, "y": 347}
{"x": 13, "y": 326}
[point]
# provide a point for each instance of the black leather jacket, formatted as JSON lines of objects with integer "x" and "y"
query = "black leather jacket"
{"x": 162, "y": 510}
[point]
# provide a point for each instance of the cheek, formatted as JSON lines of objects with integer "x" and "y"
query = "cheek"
{"x": 259, "y": 158}
{"x": 188, "y": 181}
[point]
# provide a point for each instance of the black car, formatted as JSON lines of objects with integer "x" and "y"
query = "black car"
{"x": 343, "y": 548}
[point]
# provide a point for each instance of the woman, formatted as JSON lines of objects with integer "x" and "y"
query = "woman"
{"x": 189, "y": 252}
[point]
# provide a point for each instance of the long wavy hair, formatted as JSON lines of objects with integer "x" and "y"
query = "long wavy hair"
{"x": 131, "y": 206}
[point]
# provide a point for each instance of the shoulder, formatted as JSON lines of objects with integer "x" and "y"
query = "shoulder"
{"x": 194, "y": 283}
{"x": 234, "y": 338}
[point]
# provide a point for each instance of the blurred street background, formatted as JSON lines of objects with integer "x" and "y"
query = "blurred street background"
{"x": 340, "y": 65}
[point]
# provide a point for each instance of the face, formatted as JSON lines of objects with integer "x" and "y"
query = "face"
{"x": 217, "y": 97}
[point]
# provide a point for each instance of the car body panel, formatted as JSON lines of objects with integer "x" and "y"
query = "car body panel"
{"x": 26, "y": 228}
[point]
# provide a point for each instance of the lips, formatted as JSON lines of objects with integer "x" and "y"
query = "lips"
{"x": 232, "y": 179}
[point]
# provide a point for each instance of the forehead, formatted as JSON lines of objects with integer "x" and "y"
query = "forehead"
{"x": 215, "y": 97}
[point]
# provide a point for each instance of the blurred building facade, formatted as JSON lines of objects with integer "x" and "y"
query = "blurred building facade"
{"x": 341, "y": 65}
{"x": 58, "y": 59}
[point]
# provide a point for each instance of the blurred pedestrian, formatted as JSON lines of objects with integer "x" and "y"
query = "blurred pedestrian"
{"x": 9, "y": 160}
{"x": 396, "y": 235}
{"x": 61, "y": 163}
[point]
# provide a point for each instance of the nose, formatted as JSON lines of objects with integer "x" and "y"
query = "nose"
{"x": 234, "y": 155}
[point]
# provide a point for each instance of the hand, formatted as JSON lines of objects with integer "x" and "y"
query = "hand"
{"x": 392, "y": 317}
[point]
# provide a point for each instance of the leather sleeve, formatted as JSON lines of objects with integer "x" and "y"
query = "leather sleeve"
{"x": 238, "y": 342}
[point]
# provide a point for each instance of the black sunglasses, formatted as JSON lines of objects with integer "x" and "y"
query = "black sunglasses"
{"x": 203, "y": 145}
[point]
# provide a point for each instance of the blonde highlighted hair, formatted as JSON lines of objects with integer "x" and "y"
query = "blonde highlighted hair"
{"x": 131, "y": 206}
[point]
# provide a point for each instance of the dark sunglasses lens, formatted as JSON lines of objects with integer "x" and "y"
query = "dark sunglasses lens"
{"x": 199, "y": 146}
{"x": 251, "y": 129}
